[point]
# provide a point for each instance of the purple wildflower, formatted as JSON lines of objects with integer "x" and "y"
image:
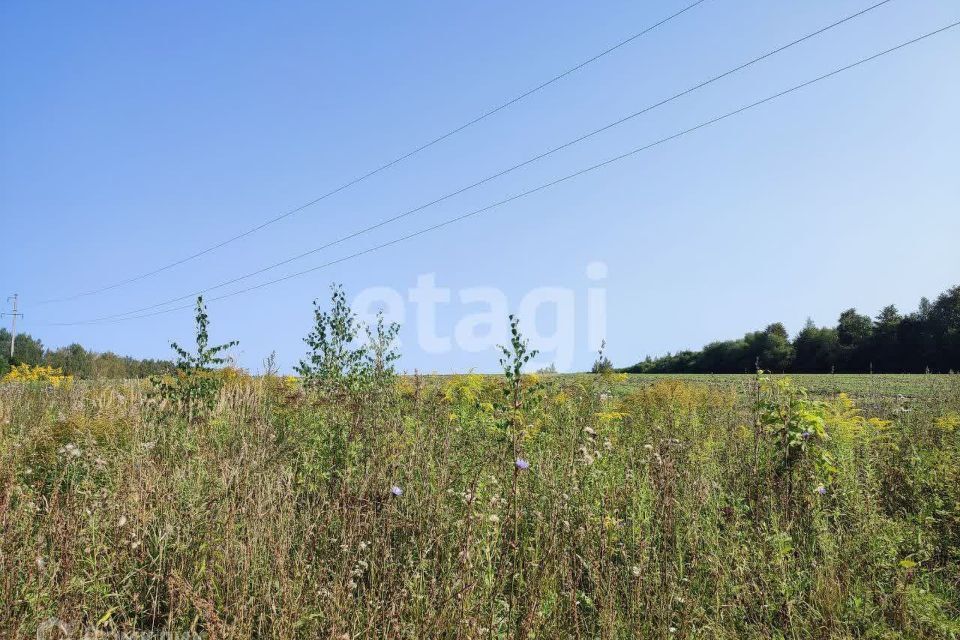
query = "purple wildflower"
{"x": 822, "y": 490}
{"x": 806, "y": 435}
{"x": 397, "y": 491}
{"x": 522, "y": 464}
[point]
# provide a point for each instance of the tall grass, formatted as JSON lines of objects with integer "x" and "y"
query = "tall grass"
{"x": 655, "y": 512}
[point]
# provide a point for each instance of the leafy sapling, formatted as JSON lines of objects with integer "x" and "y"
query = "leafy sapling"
{"x": 337, "y": 364}
{"x": 195, "y": 387}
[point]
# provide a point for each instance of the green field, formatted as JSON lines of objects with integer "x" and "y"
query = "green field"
{"x": 864, "y": 386}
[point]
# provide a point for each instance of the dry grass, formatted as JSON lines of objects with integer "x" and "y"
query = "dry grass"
{"x": 653, "y": 512}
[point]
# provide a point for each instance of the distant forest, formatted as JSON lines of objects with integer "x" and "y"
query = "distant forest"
{"x": 76, "y": 361}
{"x": 926, "y": 340}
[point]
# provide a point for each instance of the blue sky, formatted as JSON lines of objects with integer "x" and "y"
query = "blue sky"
{"x": 134, "y": 134}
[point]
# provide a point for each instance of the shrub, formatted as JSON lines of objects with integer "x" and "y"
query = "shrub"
{"x": 337, "y": 364}
{"x": 39, "y": 373}
{"x": 193, "y": 390}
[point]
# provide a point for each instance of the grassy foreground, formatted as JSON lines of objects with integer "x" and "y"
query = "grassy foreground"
{"x": 649, "y": 507}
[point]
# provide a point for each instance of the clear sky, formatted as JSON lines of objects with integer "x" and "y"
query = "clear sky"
{"x": 133, "y": 134}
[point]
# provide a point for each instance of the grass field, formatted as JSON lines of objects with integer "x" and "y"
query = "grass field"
{"x": 861, "y": 386}
{"x": 586, "y": 506}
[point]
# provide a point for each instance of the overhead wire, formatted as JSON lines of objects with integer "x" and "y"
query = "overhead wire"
{"x": 489, "y": 178}
{"x": 380, "y": 168}
{"x": 544, "y": 186}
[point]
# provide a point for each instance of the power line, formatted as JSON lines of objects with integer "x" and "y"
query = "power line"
{"x": 382, "y": 167}
{"x": 547, "y": 185}
{"x": 499, "y": 174}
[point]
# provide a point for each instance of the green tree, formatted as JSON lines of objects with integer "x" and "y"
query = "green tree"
{"x": 73, "y": 360}
{"x": 918, "y": 348}
{"x": 776, "y": 352}
{"x": 769, "y": 349}
{"x": 334, "y": 360}
{"x": 27, "y": 350}
{"x": 195, "y": 388}
{"x": 338, "y": 363}
{"x": 853, "y": 329}
{"x": 815, "y": 349}
{"x": 944, "y": 321}
{"x": 928, "y": 339}
{"x": 728, "y": 356}
{"x": 853, "y": 333}
{"x": 885, "y": 345}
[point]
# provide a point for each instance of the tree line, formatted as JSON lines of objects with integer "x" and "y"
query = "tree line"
{"x": 76, "y": 361}
{"x": 926, "y": 340}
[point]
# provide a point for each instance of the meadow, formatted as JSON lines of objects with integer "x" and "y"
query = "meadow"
{"x": 587, "y": 506}
{"x": 866, "y": 388}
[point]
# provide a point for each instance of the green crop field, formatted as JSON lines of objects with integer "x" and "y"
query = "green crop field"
{"x": 863, "y": 386}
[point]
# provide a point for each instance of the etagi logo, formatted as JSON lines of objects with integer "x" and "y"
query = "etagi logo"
{"x": 56, "y": 629}
{"x": 487, "y": 327}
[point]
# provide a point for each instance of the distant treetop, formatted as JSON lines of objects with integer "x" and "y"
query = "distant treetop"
{"x": 74, "y": 360}
{"x": 925, "y": 340}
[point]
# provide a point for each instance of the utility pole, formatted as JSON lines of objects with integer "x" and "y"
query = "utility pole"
{"x": 13, "y": 322}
